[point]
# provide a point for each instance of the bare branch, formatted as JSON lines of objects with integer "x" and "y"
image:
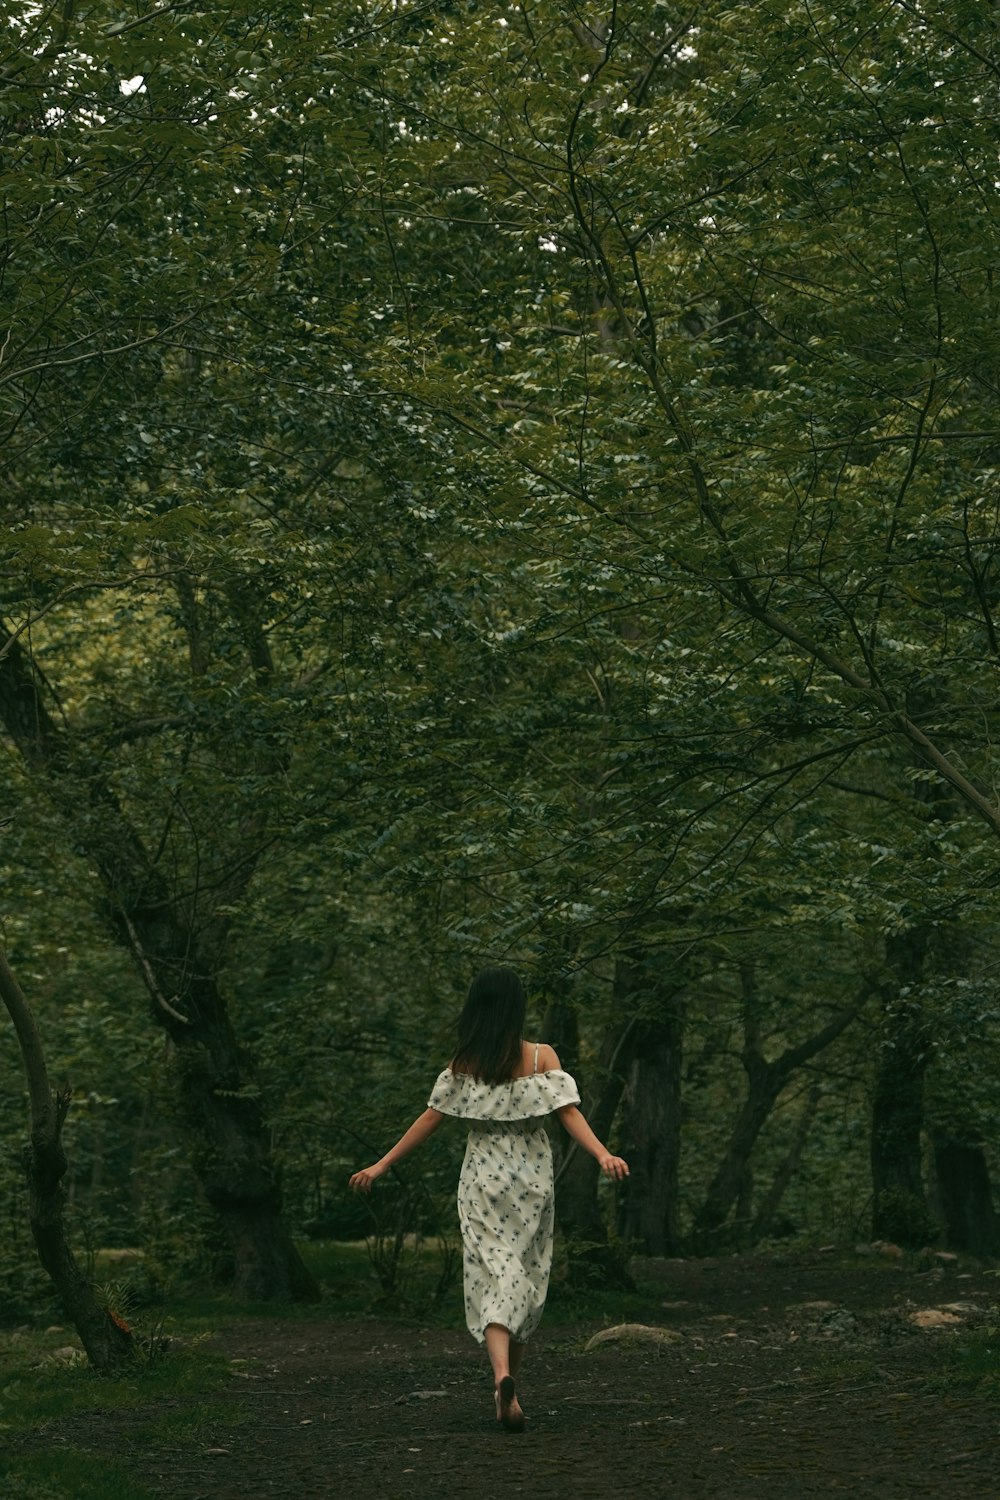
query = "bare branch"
{"x": 150, "y": 977}
{"x": 119, "y": 28}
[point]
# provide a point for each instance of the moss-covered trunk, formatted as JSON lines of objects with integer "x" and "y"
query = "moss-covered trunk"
{"x": 652, "y": 1134}
{"x": 108, "y": 1341}
{"x": 180, "y": 961}
{"x": 965, "y": 1195}
{"x": 899, "y": 1199}
{"x": 592, "y": 1257}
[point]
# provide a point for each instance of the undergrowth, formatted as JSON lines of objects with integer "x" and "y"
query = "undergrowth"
{"x": 69, "y": 1474}
{"x": 974, "y": 1363}
{"x": 50, "y": 1402}
{"x": 183, "y": 1393}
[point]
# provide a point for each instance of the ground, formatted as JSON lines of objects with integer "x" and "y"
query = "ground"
{"x": 793, "y": 1376}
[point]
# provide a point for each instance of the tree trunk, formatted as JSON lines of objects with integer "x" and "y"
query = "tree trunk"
{"x": 179, "y": 966}
{"x": 965, "y": 1195}
{"x": 767, "y": 1213}
{"x": 232, "y": 1155}
{"x": 107, "y": 1339}
{"x": 765, "y": 1081}
{"x": 560, "y": 1030}
{"x": 764, "y": 1085}
{"x": 591, "y": 1256}
{"x": 899, "y": 1200}
{"x": 652, "y": 1131}
{"x": 960, "y": 1190}
{"x": 744, "y": 1205}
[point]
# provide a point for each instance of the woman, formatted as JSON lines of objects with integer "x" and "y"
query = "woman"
{"x": 504, "y": 1087}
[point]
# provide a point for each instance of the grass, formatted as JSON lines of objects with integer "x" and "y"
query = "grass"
{"x": 69, "y": 1475}
{"x": 39, "y": 1392}
{"x": 49, "y": 1404}
{"x": 974, "y": 1363}
{"x": 38, "y": 1388}
{"x": 572, "y": 1305}
{"x": 50, "y": 1407}
{"x": 351, "y": 1290}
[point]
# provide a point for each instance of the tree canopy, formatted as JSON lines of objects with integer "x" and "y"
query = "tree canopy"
{"x": 506, "y": 482}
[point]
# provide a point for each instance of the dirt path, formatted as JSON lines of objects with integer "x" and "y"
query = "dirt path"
{"x": 791, "y": 1379}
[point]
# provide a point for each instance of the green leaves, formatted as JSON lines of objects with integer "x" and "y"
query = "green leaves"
{"x": 546, "y": 511}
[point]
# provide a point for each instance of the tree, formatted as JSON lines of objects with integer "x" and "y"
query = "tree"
{"x": 609, "y": 566}
{"x": 750, "y": 361}
{"x": 124, "y": 130}
{"x": 105, "y": 1336}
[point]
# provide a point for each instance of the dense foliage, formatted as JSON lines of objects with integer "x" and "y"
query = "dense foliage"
{"x": 503, "y": 482}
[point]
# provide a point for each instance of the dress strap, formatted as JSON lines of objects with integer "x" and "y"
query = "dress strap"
{"x": 534, "y": 1068}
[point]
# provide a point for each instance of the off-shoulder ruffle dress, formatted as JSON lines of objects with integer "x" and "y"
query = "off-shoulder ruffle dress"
{"x": 505, "y": 1193}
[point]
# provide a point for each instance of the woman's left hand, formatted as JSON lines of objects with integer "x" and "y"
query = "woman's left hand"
{"x": 614, "y": 1167}
{"x": 362, "y": 1181}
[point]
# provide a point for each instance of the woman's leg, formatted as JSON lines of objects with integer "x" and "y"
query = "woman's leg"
{"x": 498, "y": 1347}
{"x": 505, "y": 1356}
{"x": 505, "y": 1353}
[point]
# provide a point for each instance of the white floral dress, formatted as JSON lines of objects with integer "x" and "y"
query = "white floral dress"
{"x": 505, "y": 1193}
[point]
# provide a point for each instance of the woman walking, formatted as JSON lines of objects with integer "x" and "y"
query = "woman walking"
{"x": 505, "y": 1087}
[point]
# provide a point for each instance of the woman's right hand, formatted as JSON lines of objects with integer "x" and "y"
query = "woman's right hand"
{"x": 362, "y": 1181}
{"x": 614, "y": 1167}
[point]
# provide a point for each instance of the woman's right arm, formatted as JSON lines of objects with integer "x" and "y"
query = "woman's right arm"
{"x": 574, "y": 1122}
{"x": 423, "y": 1126}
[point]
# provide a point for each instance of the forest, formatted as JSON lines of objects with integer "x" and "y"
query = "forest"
{"x": 509, "y": 483}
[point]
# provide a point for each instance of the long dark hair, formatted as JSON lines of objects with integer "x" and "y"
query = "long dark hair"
{"x": 490, "y": 1026}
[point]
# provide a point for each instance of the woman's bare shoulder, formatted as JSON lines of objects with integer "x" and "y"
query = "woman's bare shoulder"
{"x": 546, "y": 1060}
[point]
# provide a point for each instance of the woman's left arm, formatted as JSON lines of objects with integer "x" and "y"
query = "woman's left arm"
{"x": 614, "y": 1167}
{"x": 423, "y": 1126}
